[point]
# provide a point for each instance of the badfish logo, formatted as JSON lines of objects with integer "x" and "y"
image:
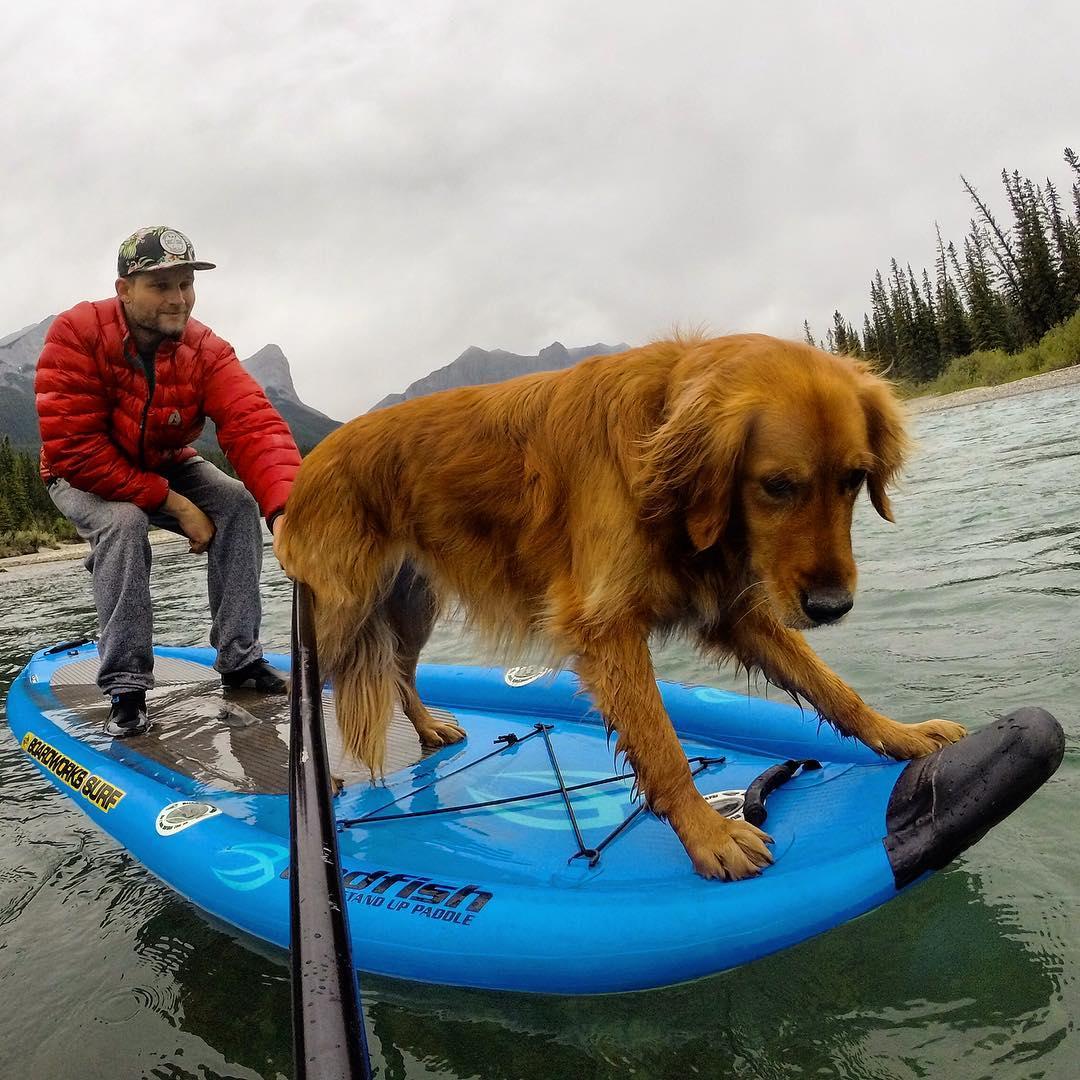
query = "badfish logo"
{"x": 522, "y": 676}
{"x": 414, "y": 894}
{"x": 178, "y": 816}
{"x": 252, "y": 865}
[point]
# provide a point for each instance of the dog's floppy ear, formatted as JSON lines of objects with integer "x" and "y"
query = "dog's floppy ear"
{"x": 889, "y": 442}
{"x": 690, "y": 464}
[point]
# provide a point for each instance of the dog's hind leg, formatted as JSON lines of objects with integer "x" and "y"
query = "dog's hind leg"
{"x": 411, "y": 610}
{"x": 619, "y": 672}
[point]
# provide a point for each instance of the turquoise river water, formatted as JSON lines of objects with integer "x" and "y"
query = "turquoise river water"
{"x": 968, "y": 607}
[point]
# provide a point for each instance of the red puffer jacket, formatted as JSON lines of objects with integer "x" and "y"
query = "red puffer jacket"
{"x": 104, "y": 432}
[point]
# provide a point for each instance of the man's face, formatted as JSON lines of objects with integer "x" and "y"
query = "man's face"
{"x": 159, "y": 300}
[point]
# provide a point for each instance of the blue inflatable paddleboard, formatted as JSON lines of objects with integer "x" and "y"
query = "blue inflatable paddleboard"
{"x": 521, "y": 859}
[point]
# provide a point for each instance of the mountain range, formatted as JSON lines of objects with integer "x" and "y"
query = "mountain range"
{"x": 477, "y": 365}
{"x": 18, "y": 355}
{"x": 19, "y": 352}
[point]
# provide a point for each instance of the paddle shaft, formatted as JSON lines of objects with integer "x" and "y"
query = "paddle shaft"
{"x": 328, "y": 1029}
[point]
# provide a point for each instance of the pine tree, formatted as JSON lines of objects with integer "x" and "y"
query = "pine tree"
{"x": 37, "y": 498}
{"x": 926, "y": 353}
{"x": 1066, "y": 235}
{"x": 26, "y": 501}
{"x": 903, "y": 325}
{"x": 884, "y": 324}
{"x": 1001, "y": 251}
{"x": 870, "y": 342}
{"x": 7, "y": 462}
{"x": 16, "y": 499}
{"x": 1040, "y": 300}
{"x": 953, "y": 331}
{"x": 854, "y": 346}
{"x": 992, "y": 322}
{"x": 1074, "y": 164}
{"x": 838, "y": 340}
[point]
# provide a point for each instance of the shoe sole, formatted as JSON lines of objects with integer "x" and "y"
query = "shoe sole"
{"x": 128, "y": 733}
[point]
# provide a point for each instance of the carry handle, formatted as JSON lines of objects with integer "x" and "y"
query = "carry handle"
{"x": 760, "y": 789}
{"x": 69, "y": 646}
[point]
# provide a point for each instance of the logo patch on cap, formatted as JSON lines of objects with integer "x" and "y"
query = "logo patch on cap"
{"x": 173, "y": 242}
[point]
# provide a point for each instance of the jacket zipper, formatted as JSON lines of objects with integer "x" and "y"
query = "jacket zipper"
{"x": 151, "y": 382}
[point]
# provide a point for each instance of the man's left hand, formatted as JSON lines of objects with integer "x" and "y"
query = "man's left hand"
{"x": 276, "y": 532}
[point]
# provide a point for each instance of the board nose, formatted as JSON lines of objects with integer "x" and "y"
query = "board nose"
{"x": 943, "y": 803}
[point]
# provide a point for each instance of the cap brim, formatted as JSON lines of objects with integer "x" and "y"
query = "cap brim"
{"x": 195, "y": 265}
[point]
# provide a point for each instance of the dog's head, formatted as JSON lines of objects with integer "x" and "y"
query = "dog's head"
{"x": 764, "y": 447}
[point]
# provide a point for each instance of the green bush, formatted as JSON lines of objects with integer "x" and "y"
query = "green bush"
{"x": 1059, "y": 348}
{"x": 26, "y": 542}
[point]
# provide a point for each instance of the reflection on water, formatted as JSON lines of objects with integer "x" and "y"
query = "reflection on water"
{"x": 966, "y": 609}
{"x": 865, "y": 986}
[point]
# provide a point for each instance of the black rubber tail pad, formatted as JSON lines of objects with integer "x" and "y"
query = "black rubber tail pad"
{"x": 945, "y": 802}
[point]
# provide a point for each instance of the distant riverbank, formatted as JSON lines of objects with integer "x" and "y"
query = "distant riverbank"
{"x": 66, "y": 552}
{"x": 1049, "y": 380}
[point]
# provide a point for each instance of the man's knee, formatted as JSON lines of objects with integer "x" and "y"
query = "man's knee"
{"x": 120, "y": 533}
{"x": 125, "y": 521}
{"x": 235, "y": 503}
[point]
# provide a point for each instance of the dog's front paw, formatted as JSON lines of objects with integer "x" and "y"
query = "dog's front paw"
{"x": 435, "y": 733}
{"x": 720, "y": 847}
{"x": 918, "y": 740}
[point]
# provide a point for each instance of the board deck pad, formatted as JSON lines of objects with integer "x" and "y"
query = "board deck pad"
{"x": 231, "y": 740}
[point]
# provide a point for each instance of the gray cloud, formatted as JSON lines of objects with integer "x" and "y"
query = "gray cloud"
{"x": 385, "y": 184}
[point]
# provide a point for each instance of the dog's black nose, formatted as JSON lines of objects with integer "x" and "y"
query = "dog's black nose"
{"x": 826, "y": 605}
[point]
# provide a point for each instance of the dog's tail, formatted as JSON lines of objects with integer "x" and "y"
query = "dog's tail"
{"x": 331, "y": 546}
{"x": 357, "y": 650}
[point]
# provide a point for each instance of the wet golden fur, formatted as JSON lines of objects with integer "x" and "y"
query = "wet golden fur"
{"x": 693, "y": 486}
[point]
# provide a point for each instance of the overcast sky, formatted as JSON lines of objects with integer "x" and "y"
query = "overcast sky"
{"x": 384, "y": 184}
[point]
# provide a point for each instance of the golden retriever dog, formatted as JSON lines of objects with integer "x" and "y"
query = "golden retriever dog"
{"x": 696, "y": 487}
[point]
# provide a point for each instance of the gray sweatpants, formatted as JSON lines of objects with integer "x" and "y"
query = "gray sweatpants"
{"x": 119, "y": 562}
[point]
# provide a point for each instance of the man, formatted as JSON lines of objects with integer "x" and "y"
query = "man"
{"x": 123, "y": 387}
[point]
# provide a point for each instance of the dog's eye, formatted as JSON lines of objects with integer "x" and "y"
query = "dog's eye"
{"x": 853, "y": 480}
{"x": 778, "y": 487}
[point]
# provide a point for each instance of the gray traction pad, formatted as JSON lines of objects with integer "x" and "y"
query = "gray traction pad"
{"x": 234, "y": 741}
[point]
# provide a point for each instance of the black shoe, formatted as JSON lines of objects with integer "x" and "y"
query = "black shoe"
{"x": 258, "y": 675}
{"x": 127, "y": 716}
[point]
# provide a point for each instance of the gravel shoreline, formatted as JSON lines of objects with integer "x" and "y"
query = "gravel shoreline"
{"x": 67, "y": 552}
{"x": 1051, "y": 380}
